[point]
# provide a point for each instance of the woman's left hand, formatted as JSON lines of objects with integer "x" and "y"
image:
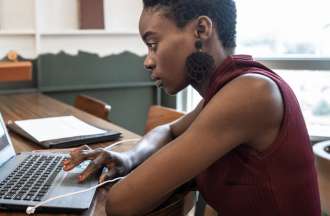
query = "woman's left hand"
{"x": 116, "y": 163}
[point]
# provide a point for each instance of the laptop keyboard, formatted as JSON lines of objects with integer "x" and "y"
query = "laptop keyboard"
{"x": 31, "y": 180}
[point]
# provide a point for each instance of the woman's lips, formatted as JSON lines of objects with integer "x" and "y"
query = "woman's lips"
{"x": 159, "y": 83}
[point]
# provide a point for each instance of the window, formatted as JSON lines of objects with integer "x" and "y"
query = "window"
{"x": 281, "y": 28}
{"x": 293, "y": 38}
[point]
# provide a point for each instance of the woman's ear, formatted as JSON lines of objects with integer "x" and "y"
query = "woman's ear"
{"x": 204, "y": 27}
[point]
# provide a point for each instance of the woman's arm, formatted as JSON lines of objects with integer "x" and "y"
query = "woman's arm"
{"x": 240, "y": 112}
{"x": 160, "y": 136}
{"x": 121, "y": 163}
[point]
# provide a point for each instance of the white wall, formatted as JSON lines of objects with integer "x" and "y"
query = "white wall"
{"x": 17, "y": 14}
{"x": 123, "y": 14}
{"x": 33, "y": 27}
{"x": 58, "y": 15}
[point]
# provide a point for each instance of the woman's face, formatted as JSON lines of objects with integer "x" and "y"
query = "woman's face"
{"x": 168, "y": 48}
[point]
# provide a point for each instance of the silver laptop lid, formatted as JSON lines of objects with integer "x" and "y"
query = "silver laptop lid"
{"x": 6, "y": 148}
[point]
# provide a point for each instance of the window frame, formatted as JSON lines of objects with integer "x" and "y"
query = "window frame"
{"x": 184, "y": 98}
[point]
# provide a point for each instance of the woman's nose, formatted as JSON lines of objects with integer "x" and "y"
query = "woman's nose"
{"x": 149, "y": 64}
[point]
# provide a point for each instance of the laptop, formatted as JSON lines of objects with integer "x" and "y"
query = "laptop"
{"x": 27, "y": 179}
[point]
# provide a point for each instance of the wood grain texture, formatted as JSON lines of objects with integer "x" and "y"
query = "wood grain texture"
{"x": 15, "y": 71}
{"x": 34, "y": 105}
{"x": 93, "y": 106}
{"x": 27, "y": 106}
{"x": 159, "y": 115}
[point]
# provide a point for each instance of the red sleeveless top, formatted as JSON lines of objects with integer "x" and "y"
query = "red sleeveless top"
{"x": 280, "y": 181}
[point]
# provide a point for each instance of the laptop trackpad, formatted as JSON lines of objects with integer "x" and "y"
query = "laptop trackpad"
{"x": 67, "y": 182}
{"x": 71, "y": 180}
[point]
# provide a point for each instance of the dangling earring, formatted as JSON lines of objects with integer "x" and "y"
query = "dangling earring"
{"x": 199, "y": 64}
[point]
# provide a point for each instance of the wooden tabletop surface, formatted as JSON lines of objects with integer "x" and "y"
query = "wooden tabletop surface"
{"x": 35, "y": 105}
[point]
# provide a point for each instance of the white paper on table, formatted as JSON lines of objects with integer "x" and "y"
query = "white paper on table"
{"x": 52, "y": 128}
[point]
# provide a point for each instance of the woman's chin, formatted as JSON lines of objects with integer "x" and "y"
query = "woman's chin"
{"x": 170, "y": 91}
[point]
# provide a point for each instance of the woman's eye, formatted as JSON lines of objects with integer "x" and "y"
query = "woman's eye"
{"x": 152, "y": 46}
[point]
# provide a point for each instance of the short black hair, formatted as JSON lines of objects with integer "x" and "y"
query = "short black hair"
{"x": 221, "y": 12}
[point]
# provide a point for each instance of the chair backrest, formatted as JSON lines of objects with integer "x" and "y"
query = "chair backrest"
{"x": 92, "y": 106}
{"x": 180, "y": 203}
{"x": 322, "y": 162}
{"x": 159, "y": 115}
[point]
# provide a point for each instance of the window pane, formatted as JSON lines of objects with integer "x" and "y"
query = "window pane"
{"x": 283, "y": 28}
{"x": 312, "y": 89}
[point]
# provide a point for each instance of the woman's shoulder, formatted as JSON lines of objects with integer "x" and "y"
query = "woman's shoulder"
{"x": 252, "y": 103}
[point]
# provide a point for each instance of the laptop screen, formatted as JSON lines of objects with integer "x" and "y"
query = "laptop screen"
{"x": 6, "y": 149}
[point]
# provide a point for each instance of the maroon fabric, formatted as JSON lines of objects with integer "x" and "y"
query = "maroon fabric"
{"x": 279, "y": 181}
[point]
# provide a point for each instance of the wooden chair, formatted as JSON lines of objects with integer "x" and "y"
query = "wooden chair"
{"x": 322, "y": 162}
{"x": 92, "y": 106}
{"x": 159, "y": 115}
{"x": 181, "y": 202}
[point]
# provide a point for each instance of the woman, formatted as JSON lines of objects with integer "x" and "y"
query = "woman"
{"x": 245, "y": 145}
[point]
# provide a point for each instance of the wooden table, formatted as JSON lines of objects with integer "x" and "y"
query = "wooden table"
{"x": 34, "y": 105}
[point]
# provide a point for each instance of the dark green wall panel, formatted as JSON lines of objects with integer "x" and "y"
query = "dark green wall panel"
{"x": 120, "y": 80}
{"x": 85, "y": 69}
{"x": 168, "y": 100}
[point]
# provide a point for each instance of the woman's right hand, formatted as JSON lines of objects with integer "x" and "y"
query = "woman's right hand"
{"x": 118, "y": 164}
